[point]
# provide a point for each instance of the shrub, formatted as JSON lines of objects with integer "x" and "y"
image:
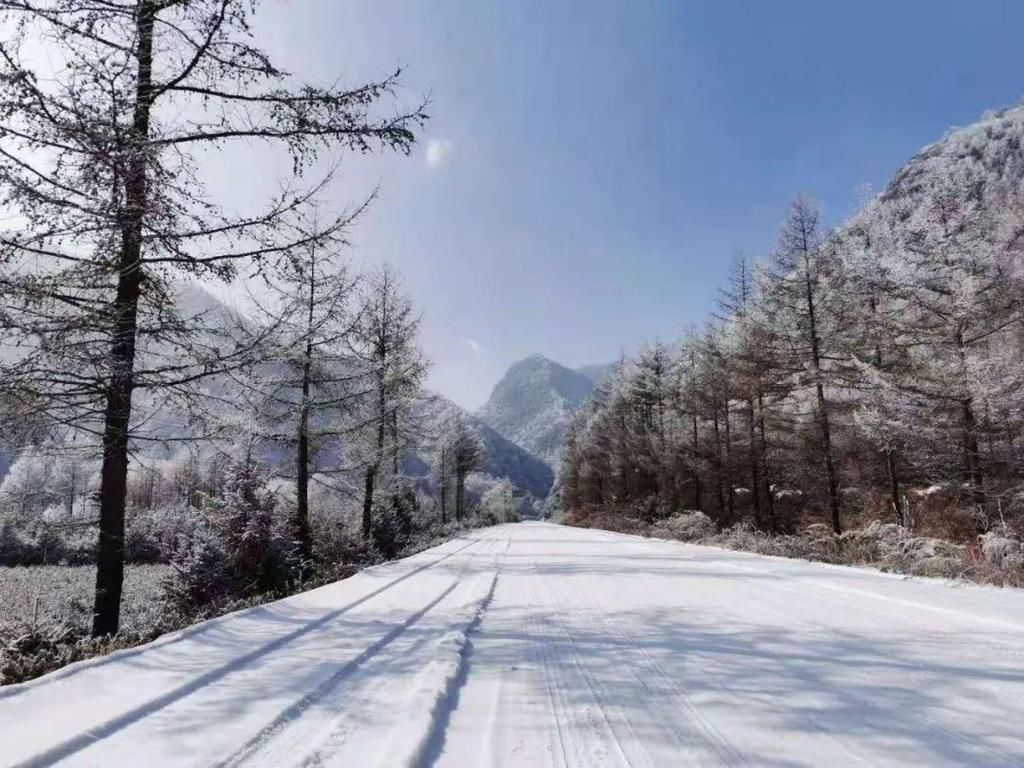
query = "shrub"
{"x": 241, "y": 548}
{"x": 691, "y": 525}
{"x": 394, "y": 521}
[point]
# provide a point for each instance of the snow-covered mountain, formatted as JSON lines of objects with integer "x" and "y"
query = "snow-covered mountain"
{"x": 502, "y": 457}
{"x": 534, "y": 401}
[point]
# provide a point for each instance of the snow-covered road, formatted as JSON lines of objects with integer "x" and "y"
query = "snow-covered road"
{"x": 537, "y": 645}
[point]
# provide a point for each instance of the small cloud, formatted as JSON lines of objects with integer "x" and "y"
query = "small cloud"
{"x": 438, "y": 152}
{"x": 473, "y": 344}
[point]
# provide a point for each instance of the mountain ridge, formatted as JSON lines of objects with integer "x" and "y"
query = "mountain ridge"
{"x": 534, "y": 401}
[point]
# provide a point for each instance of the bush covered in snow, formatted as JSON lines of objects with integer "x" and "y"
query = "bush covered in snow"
{"x": 46, "y": 611}
{"x": 241, "y": 548}
{"x": 998, "y": 558}
{"x": 691, "y": 525}
{"x": 1002, "y": 548}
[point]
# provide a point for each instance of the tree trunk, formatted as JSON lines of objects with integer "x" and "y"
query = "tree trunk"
{"x": 755, "y": 475}
{"x": 969, "y": 426}
{"x": 894, "y": 486}
{"x": 460, "y": 494}
{"x": 890, "y": 454}
{"x": 371, "y": 471}
{"x": 719, "y": 475}
{"x": 819, "y": 390}
{"x": 443, "y": 483}
{"x": 730, "y": 497}
{"x": 368, "y": 502}
{"x": 395, "y": 456}
{"x": 698, "y": 503}
{"x": 972, "y": 457}
{"x": 118, "y": 408}
{"x": 301, "y": 523}
{"x": 769, "y": 496}
{"x": 830, "y": 470}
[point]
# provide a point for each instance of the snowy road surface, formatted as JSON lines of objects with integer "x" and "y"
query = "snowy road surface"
{"x": 537, "y": 645}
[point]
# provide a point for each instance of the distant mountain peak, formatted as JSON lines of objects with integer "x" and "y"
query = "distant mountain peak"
{"x": 534, "y": 402}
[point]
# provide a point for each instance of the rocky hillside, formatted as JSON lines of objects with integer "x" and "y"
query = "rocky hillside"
{"x": 533, "y": 403}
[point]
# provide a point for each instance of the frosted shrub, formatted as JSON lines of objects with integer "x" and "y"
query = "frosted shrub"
{"x": 241, "y": 548}
{"x": 690, "y": 525}
{"x": 999, "y": 547}
{"x": 394, "y": 521}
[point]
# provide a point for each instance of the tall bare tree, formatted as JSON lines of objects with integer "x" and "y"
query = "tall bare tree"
{"x": 105, "y": 110}
{"x": 386, "y": 345}
{"x": 305, "y": 382}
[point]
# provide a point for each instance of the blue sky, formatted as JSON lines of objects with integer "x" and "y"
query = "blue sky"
{"x": 591, "y": 166}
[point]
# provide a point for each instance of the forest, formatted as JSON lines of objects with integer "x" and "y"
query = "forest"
{"x": 865, "y": 372}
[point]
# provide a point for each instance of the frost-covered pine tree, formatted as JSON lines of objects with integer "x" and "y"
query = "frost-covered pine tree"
{"x": 465, "y": 452}
{"x": 805, "y": 302}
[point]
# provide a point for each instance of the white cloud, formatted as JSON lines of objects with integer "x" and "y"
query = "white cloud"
{"x": 438, "y": 152}
{"x": 473, "y": 344}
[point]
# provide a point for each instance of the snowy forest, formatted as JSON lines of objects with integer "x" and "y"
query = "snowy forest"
{"x": 868, "y": 372}
{"x": 257, "y": 445}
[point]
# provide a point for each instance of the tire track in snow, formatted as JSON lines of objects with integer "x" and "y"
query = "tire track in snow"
{"x": 100, "y": 731}
{"x": 555, "y": 700}
{"x": 439, "y": 691}
{"x": 716, "y": 749}
{"x": 296, "y": 709}
{"x": 332, "y": 685}
{"x": 609, "y": 725}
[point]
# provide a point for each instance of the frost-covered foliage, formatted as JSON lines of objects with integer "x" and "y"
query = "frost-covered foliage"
{"x": 852, "y": 372}
{"x": 1002, "y": 548}
{"x": 501, "y": 504}
{"x": 241, "y": 548}
{"x": 503, "y": 458}
{"x": 887, "y": 546}
{"x": 692, "y": 525}
{"x": 46, "y": 611}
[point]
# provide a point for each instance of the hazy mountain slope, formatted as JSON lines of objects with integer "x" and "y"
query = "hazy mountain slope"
{"x": 595, "y": 372}
{"x": 502, "y": 458}
{"x": 533, "y": 403}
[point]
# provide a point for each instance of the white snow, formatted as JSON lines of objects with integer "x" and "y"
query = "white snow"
{"x": 538, "y": 645}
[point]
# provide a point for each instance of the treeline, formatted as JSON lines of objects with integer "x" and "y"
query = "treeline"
{"x": 104, "y": 371}
{"x": 869, "y": 372}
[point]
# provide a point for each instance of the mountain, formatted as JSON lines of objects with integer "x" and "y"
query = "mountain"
{"x": 987, "y": 156}
{"x": 595, "y": 372}
{"x": 502, "y": 457}
{"x": 533, "y": 403}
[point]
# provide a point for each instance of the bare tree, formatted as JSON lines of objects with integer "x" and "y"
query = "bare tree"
{"x": 100, "y": 144}
{"x": 385, "y": 343}
{"x": 305, "y": 382}
{"x": 800, "y": 295}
